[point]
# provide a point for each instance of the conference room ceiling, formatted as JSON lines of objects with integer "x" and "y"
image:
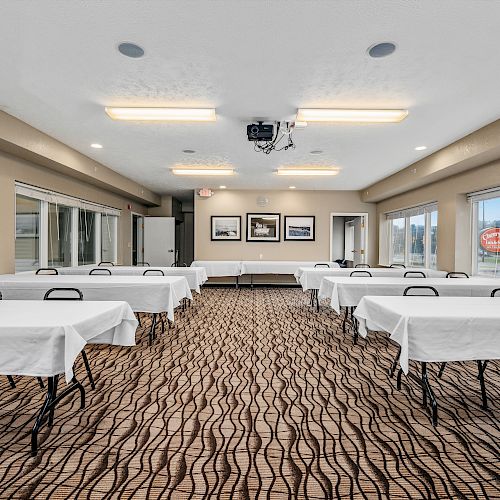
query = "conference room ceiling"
{"x": 248, "y": 59}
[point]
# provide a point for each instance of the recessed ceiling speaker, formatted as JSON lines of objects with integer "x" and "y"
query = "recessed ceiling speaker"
{"x": 383, "y": 49}
{"x": 262, "y": 201}
{"x": 130, "y": 50}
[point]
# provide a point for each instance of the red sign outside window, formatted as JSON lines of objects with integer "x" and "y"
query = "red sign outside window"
{"x": 489, "y": 240}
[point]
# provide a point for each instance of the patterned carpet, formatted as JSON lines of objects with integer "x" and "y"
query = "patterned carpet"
{"x": 254, "y": 395}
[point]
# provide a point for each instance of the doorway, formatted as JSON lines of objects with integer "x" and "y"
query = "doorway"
{"x": 348, "y": 238}
{"x": 137, "y": 239}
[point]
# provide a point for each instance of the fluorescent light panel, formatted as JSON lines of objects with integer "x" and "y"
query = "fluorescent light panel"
{"x": 202, "y": 171}
{"x": 307, "y": 171}
{"x": 162, "y": 114}
{"x": 352, "y": 115}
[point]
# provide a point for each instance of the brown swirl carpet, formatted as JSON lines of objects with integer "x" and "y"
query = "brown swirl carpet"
{"x": 253, "y": 395}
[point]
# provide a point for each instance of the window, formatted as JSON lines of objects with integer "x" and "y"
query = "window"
{"x": 59, "y": 251}
{"x": 398, "y": 241}
{"x": 486, "y": 234}
{"x": 54, "y": 230}
{"x": 87, "y": 237}
{"x": 27, "y": 234}
{"x": 109, "y": 231}
{"x": 413, "y": 236}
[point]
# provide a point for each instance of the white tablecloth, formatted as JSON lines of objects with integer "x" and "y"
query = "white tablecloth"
{"x": 195, "y": 276}
{"x": 278, "y": 266}
{"x": 149, "y": 294}
{"x": 43, "y": 338}
{"x": 310, "y": 277}
{"x": 348, "y": 292}
{"x": 215, "y": 268}
{"x": 435, "y": 328}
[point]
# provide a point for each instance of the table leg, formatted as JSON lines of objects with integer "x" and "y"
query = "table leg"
{"x": 481, "y": 365}
{"x": 316, "y": 297}
{"x": 430, "y": 393}
{"x": 237, "y": 282}
{"x": 11, "y": 381}
{"x": 441, "y": 369}
{"x": 395, "y": 363}
{"x": 87, "y": 368}
{"x": 345, "y": 319}
{"x": 49, "y": 406}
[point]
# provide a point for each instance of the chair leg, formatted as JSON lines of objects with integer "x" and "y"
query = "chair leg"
{"x": 87, "y": 367}
{"x": 345, "y": 319}
{"x": 51, "y": 411}
{"x": 40, "y": 382}
{"x": 427, "y": 389}
{"x": 481, "y": 365}
{"x": 11, "y": 381}
{"x": 441, "y": 369}
{"x": 138, "y": 316}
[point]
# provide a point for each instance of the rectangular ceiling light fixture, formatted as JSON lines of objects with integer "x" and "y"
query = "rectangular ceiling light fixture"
{"x": 202, "y": 171}
{"x": 308, "y": 171}
{"x": 162, "y": 114}
{"x": 352, "y": 115}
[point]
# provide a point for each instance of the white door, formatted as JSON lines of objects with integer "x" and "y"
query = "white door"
{"x": 159, "y": 241}
{"x": 349, "y": 241}
{"x": 359, "y": 240}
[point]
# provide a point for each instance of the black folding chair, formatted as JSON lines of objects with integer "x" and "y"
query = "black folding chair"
{"x": 351, "y": 309}
{"x": 54, "y": 294}
{"x": 414, "y": 274}
{"x": 361, "y": 273}
{"x": 155, "y": 272}
{"x": 493, "y": 292}
{"x": 143, "y": 264}
{"x": 47, "y": 270}
{"x": 398, "y": 266}
{"x": 362, "y": 265}
{"x": 105, "y": 263}
{"x": 322, "y": 265}
{"x": 100, "y": 272}
{"x": 457, "y": 274}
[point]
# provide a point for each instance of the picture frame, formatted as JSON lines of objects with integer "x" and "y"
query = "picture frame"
{"x": 299, "y": 227}
{"x": 263, "y": 227}
{"x": 225, "y": 228}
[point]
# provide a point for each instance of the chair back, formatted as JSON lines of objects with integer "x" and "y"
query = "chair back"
{"x": 105, "y": 263}
{"x": 398, "y": 266}
{"x": 156, "y": 272}
{"x": 362, "y": 265}
{"x": 48, "y": 294}
{"x": 143, "y": 264}
{"x": 421, "y": 287}
{"x": 361, "y": 273}
{"x": 414, "y": 274}
{"x": 47, "y": 270}
{"x": 457, "y": 274}
{"x": 322, "y": 265}
{"x": 493, "y": 292}
{"x": 100, "y": 272}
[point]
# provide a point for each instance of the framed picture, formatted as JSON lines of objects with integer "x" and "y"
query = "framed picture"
{"x": 263, "y": 227}
{"x": 299, "y": 227}
{"x": 225, "y": 227}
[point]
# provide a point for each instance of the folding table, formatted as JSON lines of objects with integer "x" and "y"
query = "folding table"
{"x": 436, "y": 329}
{"x": 46, "y": 342}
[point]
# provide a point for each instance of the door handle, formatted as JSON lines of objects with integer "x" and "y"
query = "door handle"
{"x": 170, "y": 250}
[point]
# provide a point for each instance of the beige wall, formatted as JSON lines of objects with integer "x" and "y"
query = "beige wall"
{"x": 239, "y": 202}
{"x": 14, "y": 169}
{"x": 454, "y": 217}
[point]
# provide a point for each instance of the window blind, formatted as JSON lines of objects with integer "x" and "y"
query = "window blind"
{"x": 411, "y": 212}
{"x": 485, "y": 194}
{"x": 62, "y": 199}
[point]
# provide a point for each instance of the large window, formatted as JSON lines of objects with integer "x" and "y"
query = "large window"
{"x": 27, "y": 233}
{"x": 413, "y": 236}
{"x": 59, "y": 250}
{"x": 486, "y": 240}
{"x": 54, "y": 230}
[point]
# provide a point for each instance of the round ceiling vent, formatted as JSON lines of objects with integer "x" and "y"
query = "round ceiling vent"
{"x": 130, "y": 50}
{"x": 383, "y": 49}
{"x": 262, "y": 201}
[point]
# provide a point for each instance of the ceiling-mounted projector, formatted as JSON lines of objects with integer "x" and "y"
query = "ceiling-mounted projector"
{"x": 260, "y": 132}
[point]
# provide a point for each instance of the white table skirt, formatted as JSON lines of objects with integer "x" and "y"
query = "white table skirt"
{"x": 310, "y": 278}
{"x": 195, "y": 276}
{"x": 278, "y": 267}
{"x": 347, "y": 292}
{"x": 149, "y": 294}
{"x": 216, "y": 268}
{"x": 435, "y": 328}
{"x": 43, "y": 338}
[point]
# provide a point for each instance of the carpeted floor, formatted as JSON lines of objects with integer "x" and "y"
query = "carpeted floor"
{"x": 254, "y": 395}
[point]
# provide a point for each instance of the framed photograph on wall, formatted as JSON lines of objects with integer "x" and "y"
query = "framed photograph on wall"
{"x": 299, "y": 227}
{"x": 225, "y": 227}
{"x": 263, "y": 227}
